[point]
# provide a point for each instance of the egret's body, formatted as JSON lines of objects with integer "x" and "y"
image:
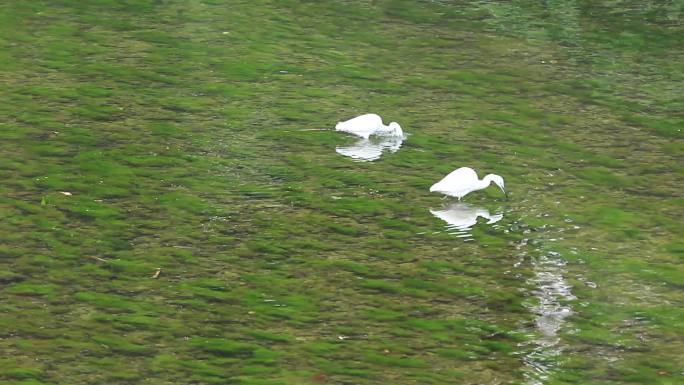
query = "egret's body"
{"x": 367, "y": 125}
{"x": 464, "y": 180}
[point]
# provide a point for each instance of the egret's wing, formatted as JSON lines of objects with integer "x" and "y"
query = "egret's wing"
{"x": 363, "y": 122}
{"x": 461, "y": 175}
{"x": 371, "y": 119}
{"x": 458, "y": 183}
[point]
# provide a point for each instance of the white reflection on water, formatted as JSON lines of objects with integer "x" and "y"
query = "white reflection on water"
{"x": 552, "y": 293}
{"x": 461, "y": 217}
{"x": 366, "y": 150}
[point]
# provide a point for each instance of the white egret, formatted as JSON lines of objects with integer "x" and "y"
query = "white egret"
{"x": 367, "y": 125}
{"x": 366, "y": 150}
{"x": 463, "y": 181}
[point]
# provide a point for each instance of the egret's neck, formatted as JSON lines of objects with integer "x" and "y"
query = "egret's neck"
{"x": 486, "y": 181}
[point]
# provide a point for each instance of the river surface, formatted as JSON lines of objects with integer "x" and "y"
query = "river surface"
{"x": 176, "y": 207}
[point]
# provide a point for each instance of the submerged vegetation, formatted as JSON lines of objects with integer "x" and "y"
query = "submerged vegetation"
{"x": 172, "y": 212}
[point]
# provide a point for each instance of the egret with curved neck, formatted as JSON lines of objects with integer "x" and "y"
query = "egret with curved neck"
{"x": 463, "y": 181}
{"x": 367, "y": 125}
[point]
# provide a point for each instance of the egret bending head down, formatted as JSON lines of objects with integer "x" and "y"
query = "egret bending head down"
{"x": 395, "y": 129}
{"x": 464, "y": 180}
{"x": 367, "y": 125}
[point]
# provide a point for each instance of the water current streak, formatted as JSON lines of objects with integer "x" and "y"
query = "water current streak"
{"x": 553, "y": 294}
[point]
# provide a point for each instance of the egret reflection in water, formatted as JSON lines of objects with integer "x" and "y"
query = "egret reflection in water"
{"x": 366, "y": 150}
{"x": 461, "y": 217}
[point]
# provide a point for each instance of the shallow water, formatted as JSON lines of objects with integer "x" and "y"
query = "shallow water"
{"x": 175, "y": 210}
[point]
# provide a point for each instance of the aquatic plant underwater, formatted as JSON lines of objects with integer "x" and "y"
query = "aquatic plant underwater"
{"x": 176, "y": 207}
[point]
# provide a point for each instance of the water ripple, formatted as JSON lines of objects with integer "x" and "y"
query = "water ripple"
{"x": 553, "y": 294}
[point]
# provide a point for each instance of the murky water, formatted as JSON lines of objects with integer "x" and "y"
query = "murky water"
{"x": 177, "y": 208}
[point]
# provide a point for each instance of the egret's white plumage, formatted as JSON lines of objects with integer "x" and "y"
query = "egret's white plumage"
{"x": 367, "y": 125}
{"x": 463, "y": 181}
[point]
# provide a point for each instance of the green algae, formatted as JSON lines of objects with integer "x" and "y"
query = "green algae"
{"x": 184, "y": 134}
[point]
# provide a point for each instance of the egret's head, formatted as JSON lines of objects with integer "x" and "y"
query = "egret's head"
{"x": 498, "y": 180}
{"x": 396, "y": 129}
{"x": 434, "y": 187}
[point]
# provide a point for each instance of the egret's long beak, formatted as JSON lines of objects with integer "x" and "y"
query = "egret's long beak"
{"x": 504, "y": 191}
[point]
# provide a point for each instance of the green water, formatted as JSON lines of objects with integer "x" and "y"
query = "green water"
{"x": 195, "y": 140}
